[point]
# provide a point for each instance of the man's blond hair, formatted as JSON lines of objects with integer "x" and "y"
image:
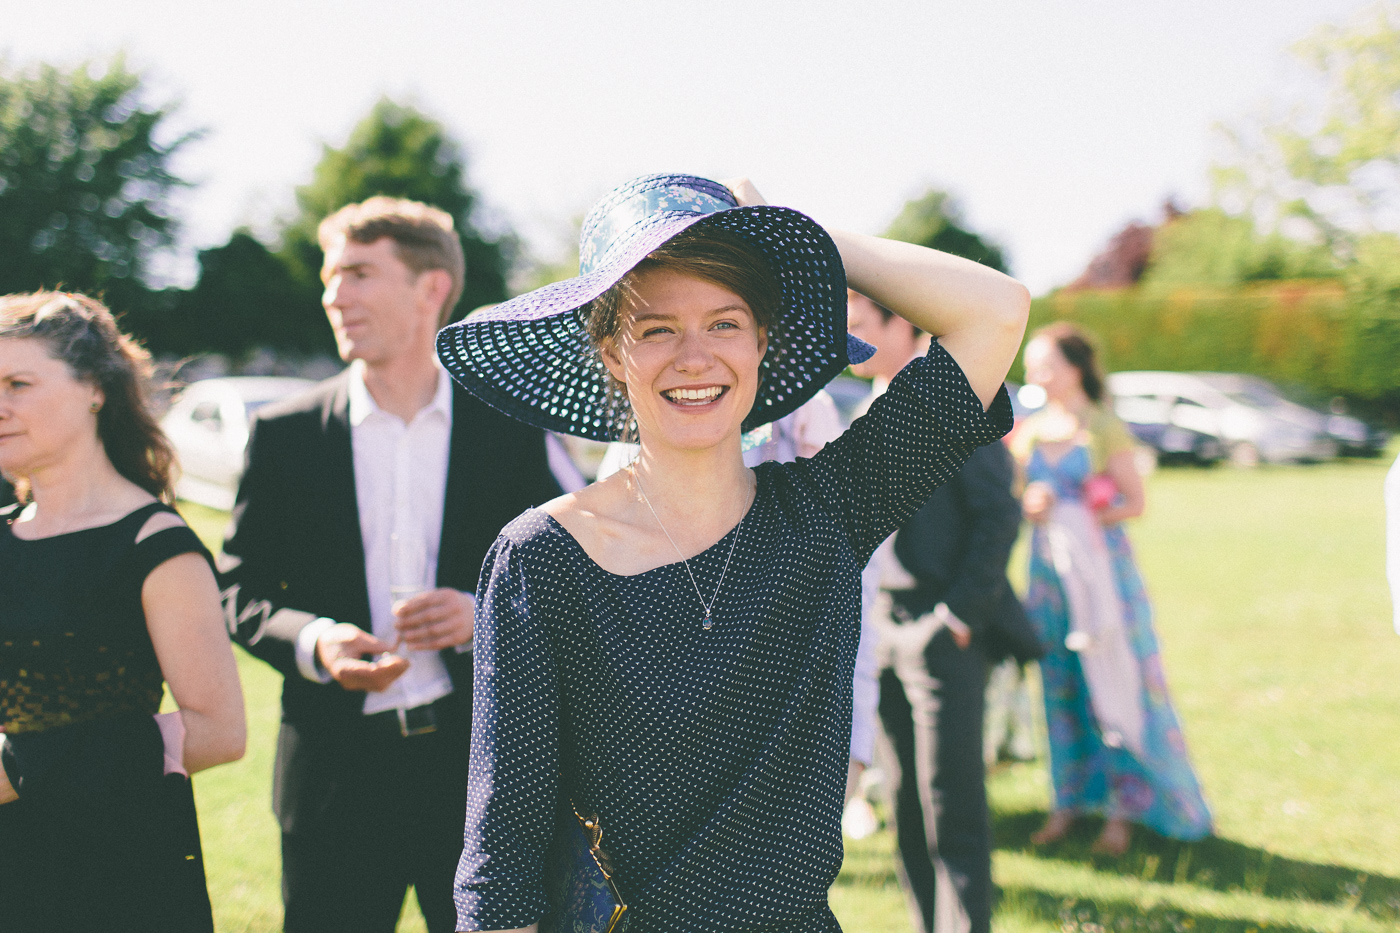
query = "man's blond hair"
{"x": 424, "y": 238}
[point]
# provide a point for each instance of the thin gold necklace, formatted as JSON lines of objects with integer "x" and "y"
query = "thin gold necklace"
{"x": 708, "y": 621}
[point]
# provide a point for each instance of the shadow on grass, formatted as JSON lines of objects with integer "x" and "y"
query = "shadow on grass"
{"x": 1086, "y": 914}
{"x": 1219, "y": 864}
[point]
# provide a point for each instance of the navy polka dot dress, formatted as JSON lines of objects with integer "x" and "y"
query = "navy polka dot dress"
{"x": 716, "y": 759}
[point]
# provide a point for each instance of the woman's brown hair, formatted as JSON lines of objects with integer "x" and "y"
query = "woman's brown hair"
{"x": 81, "y": 332}
{"x": 706, "y": 253}
{"x": 1077, "y": 348}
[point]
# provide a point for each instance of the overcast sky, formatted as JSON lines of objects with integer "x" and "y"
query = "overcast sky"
{"x": 1053, "y": 121}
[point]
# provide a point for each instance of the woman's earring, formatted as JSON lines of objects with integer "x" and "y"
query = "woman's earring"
{"x": 95, "y": 407}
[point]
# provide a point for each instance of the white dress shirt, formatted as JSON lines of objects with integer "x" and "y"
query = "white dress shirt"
{"x": 400, "y": 485}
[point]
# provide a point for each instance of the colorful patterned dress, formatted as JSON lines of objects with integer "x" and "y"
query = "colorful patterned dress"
{"x": 1155, "y": 787}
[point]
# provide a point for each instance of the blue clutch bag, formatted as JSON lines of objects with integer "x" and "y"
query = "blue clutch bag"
{"x": 578, "y": 880}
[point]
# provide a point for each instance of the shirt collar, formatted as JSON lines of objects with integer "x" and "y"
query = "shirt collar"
{"x": 362, "y": 404}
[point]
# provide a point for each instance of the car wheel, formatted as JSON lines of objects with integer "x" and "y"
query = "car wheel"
{"x": 1244, "y": 454}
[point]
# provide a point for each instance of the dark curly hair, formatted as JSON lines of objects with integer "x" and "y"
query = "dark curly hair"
{"x": 82, "y": 333}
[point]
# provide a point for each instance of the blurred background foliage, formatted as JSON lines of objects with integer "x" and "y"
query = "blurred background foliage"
{"x": 85, "y": 186}
{"x": 1210, "y": 247}
{"x": 85, "y": 180}
{"x": 1292, "y": 272}
{"x": 398, "y": 151}
{"x": 1329, "y": 337}
{"x": 935, "y": 219}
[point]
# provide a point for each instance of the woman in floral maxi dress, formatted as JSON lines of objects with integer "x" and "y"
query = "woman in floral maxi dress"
{"x": 1116, "y": 747}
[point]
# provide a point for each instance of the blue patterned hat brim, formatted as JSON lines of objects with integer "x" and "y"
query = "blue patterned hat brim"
{"x": 531, "y": 357}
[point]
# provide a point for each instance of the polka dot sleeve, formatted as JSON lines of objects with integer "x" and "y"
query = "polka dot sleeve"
{"x": 914, "y": 438}
{"x": 514, "y": 758}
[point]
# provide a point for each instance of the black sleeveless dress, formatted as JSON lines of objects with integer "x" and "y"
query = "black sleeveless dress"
{"x": 100, "y": 838}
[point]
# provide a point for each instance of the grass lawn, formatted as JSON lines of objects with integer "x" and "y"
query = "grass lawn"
{"x": 1274, "y": 618}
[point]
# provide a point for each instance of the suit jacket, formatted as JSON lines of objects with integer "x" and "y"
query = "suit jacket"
{"x": 293, "y": 550}
{"x": 957, "y": 547}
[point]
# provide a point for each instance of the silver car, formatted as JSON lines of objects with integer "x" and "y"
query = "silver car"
{"x": 208, "y": 424}
{"x": 1251, "y": 418}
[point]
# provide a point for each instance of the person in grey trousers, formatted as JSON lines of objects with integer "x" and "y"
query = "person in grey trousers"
{"x": 944, "y": 609}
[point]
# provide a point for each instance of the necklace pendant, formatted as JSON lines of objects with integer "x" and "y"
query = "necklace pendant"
{"x": 707, "y": 623}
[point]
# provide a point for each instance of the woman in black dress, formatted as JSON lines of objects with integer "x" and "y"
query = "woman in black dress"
{"x": 672, "y": 648}
{"x": 104, "y": 595}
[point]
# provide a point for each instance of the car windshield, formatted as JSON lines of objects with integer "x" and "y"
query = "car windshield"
{"x": 1254, "y": 398}
{"x": 1255, "y": 393}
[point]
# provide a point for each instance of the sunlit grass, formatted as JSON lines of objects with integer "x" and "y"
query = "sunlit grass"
{"x": 1275, "y": 624}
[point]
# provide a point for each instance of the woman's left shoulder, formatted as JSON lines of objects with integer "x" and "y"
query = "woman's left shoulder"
{"x": 1102, "y": 415}
{"x": 158, "y": 534}
{"x": 1105, "y": 425}
{"x": 531, "y": 530}
{"x": 162, "y": 518}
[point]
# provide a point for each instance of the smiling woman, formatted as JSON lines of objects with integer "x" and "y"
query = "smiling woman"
{"x": 670, "y": 651}
{"x": 702, "y": 285}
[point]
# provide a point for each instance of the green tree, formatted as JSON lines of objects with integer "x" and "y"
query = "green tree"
{"x": 400, "y": 152}
{"x": 1334, "y": 161}
{"x": 1373, "y": 289}
{"x": 246, "y": 297}
{"x": 85, "y": 179}
{"x": 935, "y": 220}
{"x": 1210, "y": 247}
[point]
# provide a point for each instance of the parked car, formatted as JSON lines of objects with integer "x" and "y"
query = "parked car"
{"x": 1161, "y": 441}
{"x": 1247, "y": 416}
{"x": 1151, "y": 424}
{"x": 1354, "y": 437}
{"x": 208, "y": 424}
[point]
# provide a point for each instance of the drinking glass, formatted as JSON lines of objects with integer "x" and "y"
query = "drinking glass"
{"x": 408, "y": 567}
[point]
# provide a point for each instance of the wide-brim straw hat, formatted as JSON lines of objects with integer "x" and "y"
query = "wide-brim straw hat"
{"x": 532, "y": 358}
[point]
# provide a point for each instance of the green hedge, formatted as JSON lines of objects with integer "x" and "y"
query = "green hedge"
{"x": 1318, "y": 335}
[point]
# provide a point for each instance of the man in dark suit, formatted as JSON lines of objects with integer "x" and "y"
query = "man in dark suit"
{"x": 945, "y": 606}
{"x": 361, "y": 523}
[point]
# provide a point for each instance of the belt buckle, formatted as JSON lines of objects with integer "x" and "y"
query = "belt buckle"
{"x": 429, "y": 721}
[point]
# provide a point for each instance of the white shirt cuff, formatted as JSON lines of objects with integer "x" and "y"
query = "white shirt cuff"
{"x": 307, "y": 662}
{"x": 466, "y": 646}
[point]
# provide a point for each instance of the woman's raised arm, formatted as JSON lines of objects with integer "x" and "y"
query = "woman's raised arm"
{"x": 976, "y": 312}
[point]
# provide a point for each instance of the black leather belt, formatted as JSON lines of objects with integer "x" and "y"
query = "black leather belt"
{"x": 406, "y": 723}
